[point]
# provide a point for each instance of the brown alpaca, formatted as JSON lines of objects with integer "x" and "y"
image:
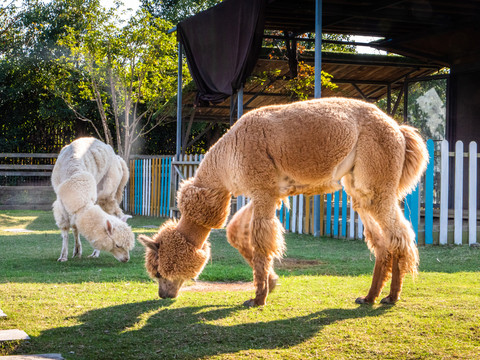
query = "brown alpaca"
{"x": 278, "y": 151}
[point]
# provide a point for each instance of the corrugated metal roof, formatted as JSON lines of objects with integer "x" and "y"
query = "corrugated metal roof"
{"x": 356, "y": 76}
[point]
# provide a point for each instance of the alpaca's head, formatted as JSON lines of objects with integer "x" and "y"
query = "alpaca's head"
{"x": 171, "y": 259}
{"x": 120, "y": 239}
{"x": 106, "y": 232}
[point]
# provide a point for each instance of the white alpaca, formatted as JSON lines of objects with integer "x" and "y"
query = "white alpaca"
{"x": 89, "y": 179}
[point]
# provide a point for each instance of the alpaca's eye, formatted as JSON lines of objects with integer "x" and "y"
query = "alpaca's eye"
{"x": 118, "y": 246}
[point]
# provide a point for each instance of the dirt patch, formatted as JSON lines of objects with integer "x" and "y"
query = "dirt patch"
{"x": 206, "y": 286}
{"x": 284, "y": 264}
{"x": 292, "y": 264}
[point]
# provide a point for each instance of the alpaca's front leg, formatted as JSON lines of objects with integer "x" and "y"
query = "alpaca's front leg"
{"x": 267, "y": 242}
{"x": 239, "y": 236}
{"x": 95, "y": 254}
{"x": 261, "y": 268}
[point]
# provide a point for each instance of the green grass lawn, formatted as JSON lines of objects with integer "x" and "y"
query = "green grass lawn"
{"x": 103, "y": 309}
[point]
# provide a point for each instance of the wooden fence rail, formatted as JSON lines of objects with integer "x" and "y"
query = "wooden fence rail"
{"x": 25, "y": 181}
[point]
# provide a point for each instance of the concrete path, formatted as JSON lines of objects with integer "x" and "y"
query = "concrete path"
{"x": 16, "y": 335}
{"x": 33, "y": 357}
{"x": 13, "y": 335}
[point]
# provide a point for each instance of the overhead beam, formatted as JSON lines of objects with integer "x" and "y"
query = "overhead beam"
{"x": 364, "y": 97}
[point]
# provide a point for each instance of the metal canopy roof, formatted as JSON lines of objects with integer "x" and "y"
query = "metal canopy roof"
{"x": 360, "y": 76}
{"x": 436, "y": 33}
{"x": 443, "y": 31}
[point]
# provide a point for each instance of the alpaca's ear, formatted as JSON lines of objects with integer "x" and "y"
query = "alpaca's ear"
{"x": 148, "y": 242}
{"x": 109, "y": 227}
{"x": 124, "y": 217}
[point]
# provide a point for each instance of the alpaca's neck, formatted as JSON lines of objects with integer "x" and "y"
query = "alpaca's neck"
{"x": 195, "y": 234}
{"x": 213, "y": 173}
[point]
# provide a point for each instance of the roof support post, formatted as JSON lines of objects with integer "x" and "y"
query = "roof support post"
{"x": 240, "y": 198}
{"x": 318, "y": 48}
{"x": 318, "y": 93}
{"x": 405, "y": 102}
{"x": 240, "y": 102}
{"x": 179, "y": 101}
{"x": 389, "y": 99}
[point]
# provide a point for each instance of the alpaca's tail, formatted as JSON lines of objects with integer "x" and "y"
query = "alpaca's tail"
{"x": 416, "y": 159}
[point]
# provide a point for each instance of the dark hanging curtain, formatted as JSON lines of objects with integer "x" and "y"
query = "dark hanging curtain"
{"x": 222, "y": 45}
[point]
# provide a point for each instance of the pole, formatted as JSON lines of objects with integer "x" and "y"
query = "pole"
{"x": 240, "y": 102}
{"x": 179, "y": 101}
{"x": 318, "y": 94}
{"x": 240, "y": 198}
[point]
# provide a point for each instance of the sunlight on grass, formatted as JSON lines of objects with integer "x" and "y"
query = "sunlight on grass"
{"x": 142, "y": 321}
{"x": 12, "y": 221}
{"x": 9, "y": 232}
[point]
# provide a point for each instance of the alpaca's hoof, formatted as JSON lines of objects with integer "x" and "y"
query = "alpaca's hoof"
{"x": 388, "y": 300}
{"x": 95, "y": 254}
{"x": 62, "y": 259}
{"x": 250, "y": 303}
{"x": 363, "y": 300}
{"x": 272, "y": 283}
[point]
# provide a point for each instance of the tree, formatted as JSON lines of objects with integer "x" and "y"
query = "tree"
{"x": 8, "y": 24}
{"x": 32, "y": 118}
{"x": 128, "y": 71}
{"x": 176, "y": 10}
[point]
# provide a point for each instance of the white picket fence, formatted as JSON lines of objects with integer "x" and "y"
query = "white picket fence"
{"x": 427, "y": 208}
{"x": 459, "y": 189}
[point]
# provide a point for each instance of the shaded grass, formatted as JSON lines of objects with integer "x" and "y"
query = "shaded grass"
{"x": 103, "y": 309}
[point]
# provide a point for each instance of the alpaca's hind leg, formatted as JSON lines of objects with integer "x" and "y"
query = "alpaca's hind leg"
{"x": 238, "y": 235}
{"x": 267, "y": 242}
{"x": 64, "y": 253}
{"x": 62, "y": 220}
{"x": 399, "y": 247}
{"x": 383, "y": 258}
{"x": 405, "y": 255}
{"x": 77, "y": 250}
{"x": 374, "y": 237}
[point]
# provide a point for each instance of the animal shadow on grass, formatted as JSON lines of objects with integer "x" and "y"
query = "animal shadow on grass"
{"x": 150, "y": 329}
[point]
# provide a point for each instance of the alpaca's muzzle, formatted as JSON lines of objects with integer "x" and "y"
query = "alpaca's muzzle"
{"x": 169, "y": 289}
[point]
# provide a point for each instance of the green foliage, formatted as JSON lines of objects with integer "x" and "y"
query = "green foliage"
{"x": 427, "y": 107}
{"x": 32, "y": 118}
{"x": 176, "y": 10}
{"x": 303, "y": 86}
{"x": 58, "y": 56}
{"x": 8, "y": 25}
{"x": 300, "y": 87}
{"x": 128, "y": 70}
{"x": 327, "y": 46}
